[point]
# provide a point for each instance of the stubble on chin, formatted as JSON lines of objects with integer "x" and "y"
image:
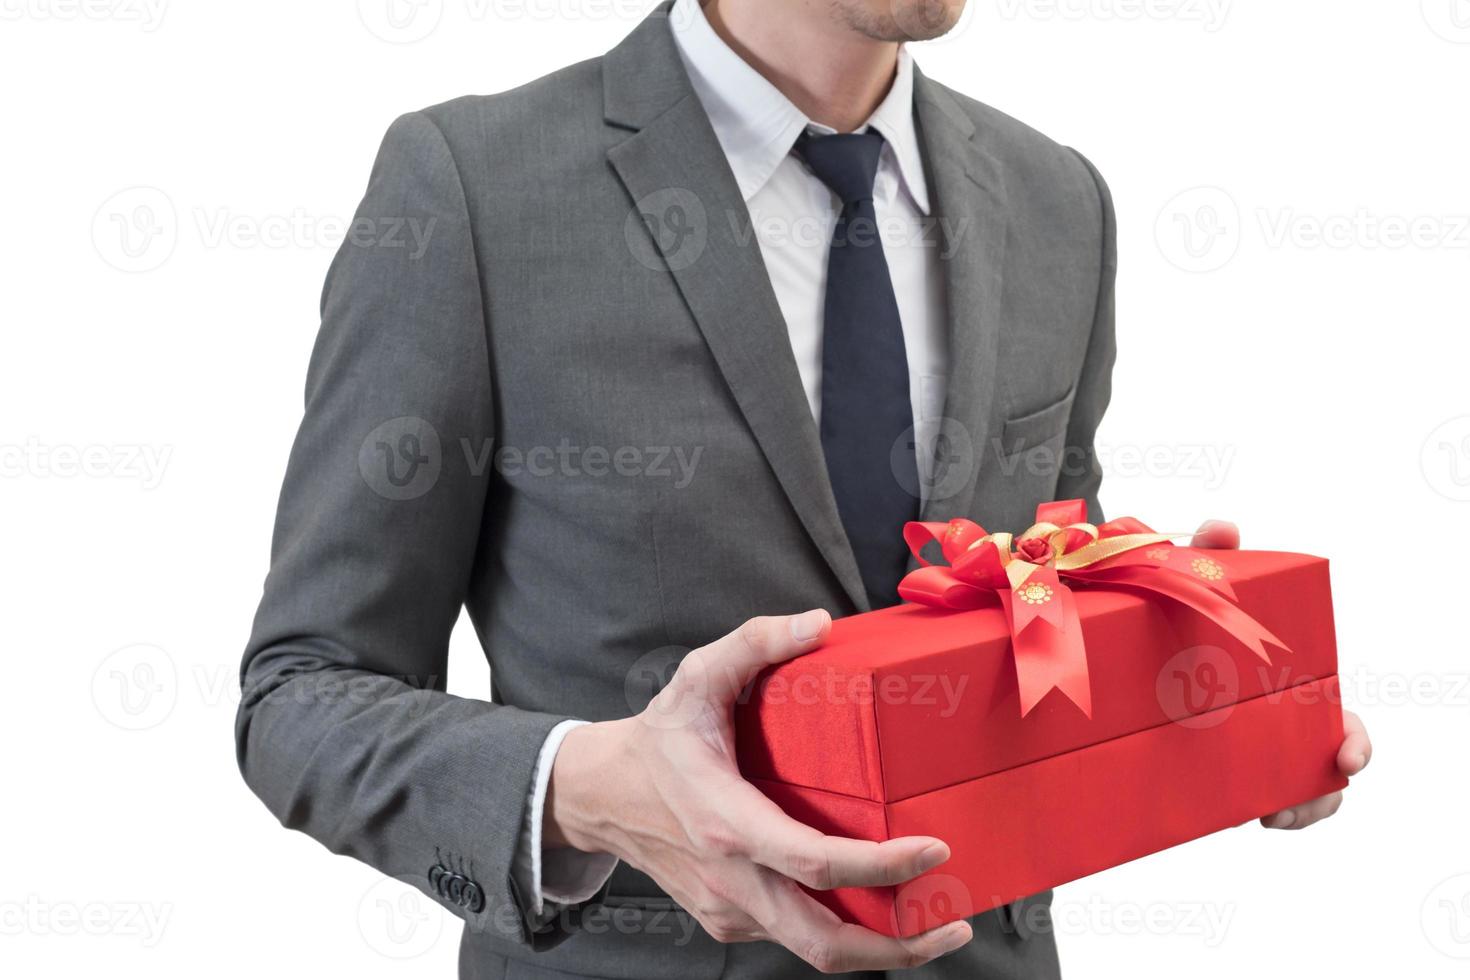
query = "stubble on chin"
{"x": 899, "y": 20}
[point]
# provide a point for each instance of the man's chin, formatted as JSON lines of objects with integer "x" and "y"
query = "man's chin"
{"x": 903, "y": 20}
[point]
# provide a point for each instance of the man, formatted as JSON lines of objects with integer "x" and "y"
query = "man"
{"x": 698, "y": 326}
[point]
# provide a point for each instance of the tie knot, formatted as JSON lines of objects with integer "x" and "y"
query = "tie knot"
{"x": 845, "y": 162}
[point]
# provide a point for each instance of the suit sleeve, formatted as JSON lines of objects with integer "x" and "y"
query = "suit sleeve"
{"x": 345, "y": 730}
{"x": 1082, "y": 476}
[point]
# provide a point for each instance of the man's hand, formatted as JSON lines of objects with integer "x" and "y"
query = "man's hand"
{"x": 1356, "y": 750}
{"x": 661, "y": 791}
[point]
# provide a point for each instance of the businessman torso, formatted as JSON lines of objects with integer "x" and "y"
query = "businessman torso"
{"x": 577, "y": 411}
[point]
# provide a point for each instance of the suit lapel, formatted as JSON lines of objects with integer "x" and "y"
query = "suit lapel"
{"x": 969, "y": 198}
{"x": 673, "y": 154}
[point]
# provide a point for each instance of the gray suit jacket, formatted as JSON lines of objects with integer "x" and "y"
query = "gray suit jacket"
{"x": 552, "y": 384}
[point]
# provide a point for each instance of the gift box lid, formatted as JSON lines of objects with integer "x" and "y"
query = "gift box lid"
{"x": 912, "y": 699}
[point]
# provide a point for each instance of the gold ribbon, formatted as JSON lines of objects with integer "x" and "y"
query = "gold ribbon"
{"x": 1098, "y": 549}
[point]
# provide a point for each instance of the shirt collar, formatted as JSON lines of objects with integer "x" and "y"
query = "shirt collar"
{"x": 756, "y": 125}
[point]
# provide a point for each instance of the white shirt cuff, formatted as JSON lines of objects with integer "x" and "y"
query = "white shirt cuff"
{"x": 562, "y": 875}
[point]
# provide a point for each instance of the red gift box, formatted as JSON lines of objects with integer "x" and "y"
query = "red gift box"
{"x": 910, "y": 721}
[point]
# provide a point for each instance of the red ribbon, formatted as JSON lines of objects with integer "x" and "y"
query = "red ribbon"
{"x": 1029, "y": 574}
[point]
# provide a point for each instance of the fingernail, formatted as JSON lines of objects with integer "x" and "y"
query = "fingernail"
{"x": 1284, "y": 820}
{"x": 808, "y": 625}
{"x": 933, "y": 856}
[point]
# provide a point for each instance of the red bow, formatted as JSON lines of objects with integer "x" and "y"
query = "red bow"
{"x": 1027, "y": 574}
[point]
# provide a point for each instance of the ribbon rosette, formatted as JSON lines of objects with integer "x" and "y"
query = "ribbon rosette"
{"x": 1029, "y": 573}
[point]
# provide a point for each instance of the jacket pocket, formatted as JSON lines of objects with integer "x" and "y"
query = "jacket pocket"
{"x": 1037, "y": 428}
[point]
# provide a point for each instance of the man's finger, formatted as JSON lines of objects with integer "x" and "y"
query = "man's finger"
{"x": 1357, "y": 749}
{"x": 1303, "y": 816}
{"x": 801, "y": 853}
{"x": 832, "y": 946}
{"x": 721, "y": 670}
{"x": 1216, "y": 535}
{"x": 1355, "y": 753}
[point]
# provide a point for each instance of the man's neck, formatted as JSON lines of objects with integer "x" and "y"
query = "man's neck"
{"x": 831, "y": 72}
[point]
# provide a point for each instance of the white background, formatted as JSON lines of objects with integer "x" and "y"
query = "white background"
{"x": 1293, "y": 356}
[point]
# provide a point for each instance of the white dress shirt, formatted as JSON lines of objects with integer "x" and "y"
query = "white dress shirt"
{"x": 793, "y": 215}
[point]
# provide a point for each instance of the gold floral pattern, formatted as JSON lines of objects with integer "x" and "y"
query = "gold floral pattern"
{"x": 1034, "y": 593}
{"x": 1158, "y": 554}
{"x": 1208, "y": 568}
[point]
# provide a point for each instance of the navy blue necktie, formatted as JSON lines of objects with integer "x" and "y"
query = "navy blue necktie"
{"x": 867, "y": 418}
